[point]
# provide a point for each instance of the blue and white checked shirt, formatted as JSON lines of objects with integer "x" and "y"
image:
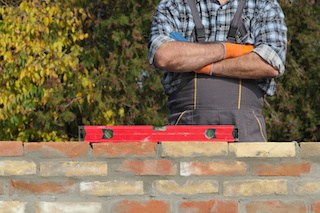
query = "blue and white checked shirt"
{"x": 263, "y": 19}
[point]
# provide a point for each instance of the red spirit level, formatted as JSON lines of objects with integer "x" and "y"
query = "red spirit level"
{"x": 209, "y": 133}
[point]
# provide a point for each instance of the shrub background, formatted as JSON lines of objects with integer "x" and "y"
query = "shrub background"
{"x": 82, "y": 62}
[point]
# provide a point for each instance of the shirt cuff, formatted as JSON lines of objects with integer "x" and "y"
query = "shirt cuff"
{"x": 271, "y": 57}
{"x": 155, "y": 44}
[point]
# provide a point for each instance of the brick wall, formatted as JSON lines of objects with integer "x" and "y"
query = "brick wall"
{"x": 78, "y": 177}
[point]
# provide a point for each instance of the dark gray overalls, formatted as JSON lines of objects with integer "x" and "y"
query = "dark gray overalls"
{"x": 211, "y": 100}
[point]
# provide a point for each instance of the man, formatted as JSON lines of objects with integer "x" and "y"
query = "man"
{"x": 218, "y": 82}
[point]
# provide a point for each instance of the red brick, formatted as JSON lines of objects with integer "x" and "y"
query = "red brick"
{"x": 130, "y": 149}
{"x": 211, "y": 206}
{"x": 316, "y": 207}
{"x": 30, "y": 187}
{"x": 276, "y": 206}
{"x": 222, "y": 168}
{"x": 281, "y": 169}
{"x": 154, "y": 206}
{"x": 11, "y": 149}
{"x": 149, "y": 167}
{"x": 57, "y": 149}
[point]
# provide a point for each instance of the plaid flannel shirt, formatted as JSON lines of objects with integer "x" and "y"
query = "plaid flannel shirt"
{"x": 263, "y": 19}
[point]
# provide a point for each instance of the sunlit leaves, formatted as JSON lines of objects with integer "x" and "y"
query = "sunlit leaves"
{"x": 39, "y": 45}
{"x": 68, "y": 63}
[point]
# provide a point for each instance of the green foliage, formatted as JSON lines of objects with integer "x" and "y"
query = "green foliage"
{"x": 66, "y": 64}
{"x": 127, "y": 90}
{"x": 39, "y": 68}
{"x": 69, "y": 63}
{"x": 294, "y": 113}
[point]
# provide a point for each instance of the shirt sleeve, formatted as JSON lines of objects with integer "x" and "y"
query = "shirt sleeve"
{"x": 271, "y": 35}
{"x": 163, "y": 24}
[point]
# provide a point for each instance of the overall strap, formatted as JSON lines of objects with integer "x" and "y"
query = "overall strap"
{"x": 199, "y": 31}
{"x": 237, "y": 23}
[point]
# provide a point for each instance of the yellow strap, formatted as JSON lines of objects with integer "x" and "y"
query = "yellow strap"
{"x": 260, "y": 126}
{"x": 240, "y": 94}
{"x": 179, "y": 118}
{"x": 195, "y": 91}
{"x": 194, "y": 99}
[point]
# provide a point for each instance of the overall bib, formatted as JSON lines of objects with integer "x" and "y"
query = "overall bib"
{"x": 211, "y": 100}
{"x": 208, "y": 100}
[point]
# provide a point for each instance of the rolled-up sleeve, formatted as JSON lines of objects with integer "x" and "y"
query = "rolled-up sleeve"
{"x": 271, "y": 36}
{"x": 155, "y": 44}
{"x": 163, "y": 23}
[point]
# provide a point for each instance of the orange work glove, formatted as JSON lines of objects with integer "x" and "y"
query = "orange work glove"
{"x": 206, "y": 69}
{"x": 236, "y": 50}
{"x": 231, "y": 51}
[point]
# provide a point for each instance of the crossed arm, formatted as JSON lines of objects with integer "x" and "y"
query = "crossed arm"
{"x": 179, "y": 56}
